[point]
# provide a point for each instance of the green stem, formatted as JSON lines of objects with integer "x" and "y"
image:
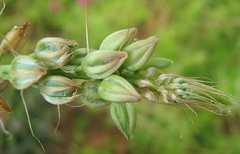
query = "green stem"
{"x": 4, "y": 72}
{"x": 80, "y": 74}
{"x": 5, "y": 68}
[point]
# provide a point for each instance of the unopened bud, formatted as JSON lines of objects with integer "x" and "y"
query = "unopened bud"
{"x": 158, "y": 63}
{"x": 116, "y": 89}
{"x": 139, "y": 53}
{"x": 58, "y": 90}
{"x": 125, "y": 117}
{"x": 102, "y": 63}
{"x": 26, "y": 71}
{"x": 15, "y": 39}
{"x": 54, "y": 52}
{"x": 78, "y": 56}
{"x": 118, "y": 39}
{"x": 90, "y": 95}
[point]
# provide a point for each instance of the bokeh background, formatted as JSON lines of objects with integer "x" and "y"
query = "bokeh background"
{"x": 201, "y": 36}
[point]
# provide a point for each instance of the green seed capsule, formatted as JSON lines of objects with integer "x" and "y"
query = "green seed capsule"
{"x": 90, "y": 95}
{"x": 58, "y": 89}
{"x": 26, "y": 71}
{"x": 139, "y": 53}
{"x": 102, "y": 63}
{"x": 125, "y": 117}
{"x": 116, "y": 89}
{"x": 78, "y": 56}
{"x": 158, "y": 63}
{"x": 54, "y": 52}
{"x": 118, "y": 39}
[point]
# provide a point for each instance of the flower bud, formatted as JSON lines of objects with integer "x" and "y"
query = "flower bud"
{"x": 15, "y": 39}
{"x": 78, "y": 56}
{"x": 158, "y": 63}
{"x": 125, "y": 117}
{"x": 118, "y": 39}
{"x": 54, "y": 52}
{"x": 58, "y": 90}
{"x": 26, "y": 71}
{"x": 116, "y": 89}
{"x": 139, "y": 53}
{"x": 90, "y": 95}
{"x": 102, "y": 63}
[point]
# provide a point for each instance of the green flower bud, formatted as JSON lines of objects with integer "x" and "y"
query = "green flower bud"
{"x": 158, "y": 63}
{"x": 78, "y": 56}
{"x": 15, "y": 39}
{"x": 125, "y": 117}
{"x": 102, "y": 63}
{"x": 90, "y": 95}
{"x": 26, "y": 71}
{"x": 58, "y": 89}
{"x": 116, "y": 89}
{"x": 54, "y": 52}
{"x": 139, "y": 53}
{"x": 118, "y": 39}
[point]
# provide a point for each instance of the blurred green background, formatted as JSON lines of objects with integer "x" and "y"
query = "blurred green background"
{"x": 201, "y": 36}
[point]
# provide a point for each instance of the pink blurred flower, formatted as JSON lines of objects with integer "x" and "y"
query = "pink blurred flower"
{"x": 54, "y": 6}
{"x": 82, "y": 2}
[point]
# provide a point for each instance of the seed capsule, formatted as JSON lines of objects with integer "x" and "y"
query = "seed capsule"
{"x": 116, "y": 89}
{"x": 90, "y": 95}
{"x": 102, "y": 63}
{"x": 26, "y": 71}
{"x": 139, "y": 53}
{"x": 78, "y": 56}
{"x": 54, "y": 52}
{"x": 58, "y": 90}
{"x": 16, "y": 39}
{"x": 118, "y": 39}
{"x": 158, "y": 63}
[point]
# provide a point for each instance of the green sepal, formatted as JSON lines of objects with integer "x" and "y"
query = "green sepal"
{"x": 125, "y": 118}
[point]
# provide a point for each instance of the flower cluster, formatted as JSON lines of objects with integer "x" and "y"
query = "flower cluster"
{"x": 120, "y": 73}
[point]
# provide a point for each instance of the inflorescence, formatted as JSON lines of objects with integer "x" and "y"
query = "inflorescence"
{"x": 120, "y": 73}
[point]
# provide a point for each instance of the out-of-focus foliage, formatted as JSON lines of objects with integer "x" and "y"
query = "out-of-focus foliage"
{"x": 203, "y": 39}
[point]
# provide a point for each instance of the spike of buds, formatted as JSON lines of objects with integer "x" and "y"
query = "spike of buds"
{"x": 54, "y": 52}
{"x": 15, "y": 39}
{"x": 118, "y": 39}
{"x": 125, "y": 117}
{"x": 102, "y": 63}
{"x": 116, "y": 89}
{"x": 139, "y": 53}
{"x": 58, "y": 90}
{"x": 26, "y": 71}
